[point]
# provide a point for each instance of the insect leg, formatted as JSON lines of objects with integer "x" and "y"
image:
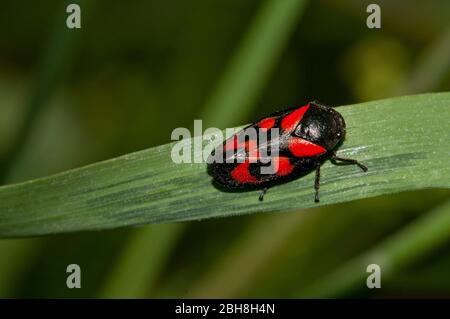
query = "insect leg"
{"x": 317, "y": 184}
{"x": 263, "y": 192}
{"x": 334, "y": 160}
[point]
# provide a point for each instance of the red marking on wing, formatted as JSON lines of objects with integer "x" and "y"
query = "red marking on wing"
{"x": 242, "y": 174}
{"x": 251, "y": 145}
{"x": 232, "y": 144}
{"x": 303, "y": 148}
{"x": 267, "y": 123}
{"x": 290, "y": 121}
{"x": 284, "y": 166}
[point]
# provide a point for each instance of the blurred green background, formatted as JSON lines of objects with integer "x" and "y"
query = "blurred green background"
{"x": 137, "y": 70}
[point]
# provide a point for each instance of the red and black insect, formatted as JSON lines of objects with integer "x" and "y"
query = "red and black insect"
{"x": 307, "y": 136}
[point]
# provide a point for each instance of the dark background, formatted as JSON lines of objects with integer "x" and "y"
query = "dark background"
{"x": 138, "y": 69}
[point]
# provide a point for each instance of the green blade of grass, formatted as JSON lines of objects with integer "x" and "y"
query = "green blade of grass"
{"x": 52, "y": 66}
{"x": 247, "y": 71}
{"x": 404, "y": 141}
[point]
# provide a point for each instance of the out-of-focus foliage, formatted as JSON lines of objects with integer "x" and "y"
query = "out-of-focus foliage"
{"x": 136, "y": 70}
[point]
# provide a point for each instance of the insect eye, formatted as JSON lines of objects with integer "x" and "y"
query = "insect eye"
{"x": 298, "y": 131}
